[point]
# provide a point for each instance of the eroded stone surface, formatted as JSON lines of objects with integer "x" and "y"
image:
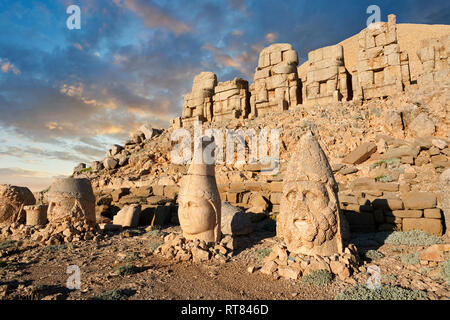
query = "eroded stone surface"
{"x": 309, "y": 219}
{"x": 198, "y": 103}
{"x": 12, "y": 201}
{"x": 71, "y": 196}
{"x": 326, "y": 79}
{"x": 382, "y": 69}
{"x": 276, "y": 85}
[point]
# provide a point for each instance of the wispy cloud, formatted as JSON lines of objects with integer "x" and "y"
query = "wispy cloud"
{"x": 6, "y": 66}
{"x": 154, "y": 16}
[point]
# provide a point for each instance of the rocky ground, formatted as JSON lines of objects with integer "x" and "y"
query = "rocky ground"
{"x": 124, "y": 265}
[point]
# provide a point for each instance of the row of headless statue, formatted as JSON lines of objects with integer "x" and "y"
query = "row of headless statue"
{"x": 382, "y": 69}
{"x": 309, "y": 221}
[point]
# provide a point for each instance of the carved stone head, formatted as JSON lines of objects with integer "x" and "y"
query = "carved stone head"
{"x": 199, "y": 210}
{"x": 69, "y": 196}
{"x": 309, "y": 219}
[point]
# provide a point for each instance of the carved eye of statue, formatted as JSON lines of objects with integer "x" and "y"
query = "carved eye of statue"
{"x": 192, "y": 204}
{"x": 291, "y": 196}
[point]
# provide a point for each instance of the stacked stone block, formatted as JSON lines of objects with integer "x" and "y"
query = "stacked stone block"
{"x": 382, "y": 69}
{"x": 326, "y": 80}
{"x": 276, "y": 84}
{"x": 197, "y": 104}
{"x": 231, "y": 100}
{"x": 435, "y": 57}
{"x": 372, "y": 206}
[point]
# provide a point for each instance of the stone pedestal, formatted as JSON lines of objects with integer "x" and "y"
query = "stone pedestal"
{"x": 36, "y": 215}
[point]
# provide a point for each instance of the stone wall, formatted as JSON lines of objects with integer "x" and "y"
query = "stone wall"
{"x": 382, "y": 207}
{"x": 327, "y": 79}
{"x": 382, "y": 69}
{"x": 276, "y": 84}
{"x": 231, "y": 100}
{"x": 435, "y": 57}
{"x": 198, "y": 103}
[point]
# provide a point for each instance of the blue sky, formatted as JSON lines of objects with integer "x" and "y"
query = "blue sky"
{"x": 66, "y": 95}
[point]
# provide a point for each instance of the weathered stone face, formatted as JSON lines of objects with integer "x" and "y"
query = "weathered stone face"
{"x": 309, "y": 219}
{"x": 69, "y": 196}
{"x": 199, "y": 210}
{"x": 12, "y": 201}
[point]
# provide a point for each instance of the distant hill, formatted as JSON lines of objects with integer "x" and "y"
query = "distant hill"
{"x": 409, "y": 37}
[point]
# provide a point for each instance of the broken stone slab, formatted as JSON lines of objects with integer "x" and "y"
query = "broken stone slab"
{"x": 200, "y": 255}
{"x": 148, "y": 131}
{"x": 116, "y": 149}
{"x": 110, "y": 163}
{"x": 235, "y": 221}
{"x": 434, "y": 213}
{"x": 360, "y": 154}
{"x": 128, "y": 216}
{"x": 422, "y": 125}
{"x": 388, "y": 204}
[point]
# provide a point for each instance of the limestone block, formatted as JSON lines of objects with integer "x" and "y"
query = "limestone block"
{"x": 430, "y": 226}
{"x": 420, "y": 200}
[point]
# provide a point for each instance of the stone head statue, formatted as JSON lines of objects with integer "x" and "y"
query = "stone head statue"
{"x": 69, "y": 196}
{"x": 309, "y": 219}
{"x": 199, "y": 210}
